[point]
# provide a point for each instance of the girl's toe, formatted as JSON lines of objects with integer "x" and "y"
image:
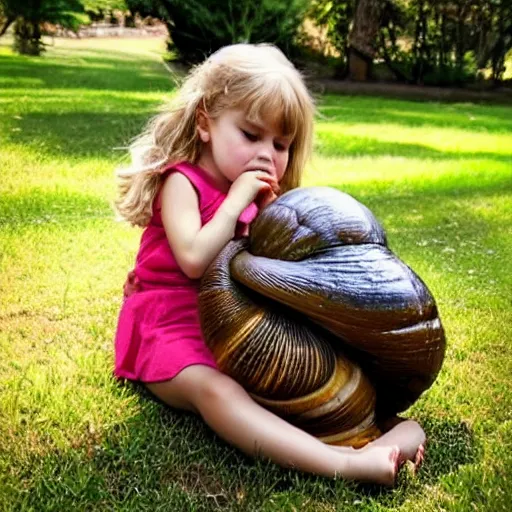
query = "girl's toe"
{"x": 397, "y": 460}
{"x": 420, "y": 455}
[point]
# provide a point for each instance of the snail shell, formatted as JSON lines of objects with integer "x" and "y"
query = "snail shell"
{"x": 314, "y": 313}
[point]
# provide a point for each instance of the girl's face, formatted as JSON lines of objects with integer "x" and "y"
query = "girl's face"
{"x": 233, "y": 145}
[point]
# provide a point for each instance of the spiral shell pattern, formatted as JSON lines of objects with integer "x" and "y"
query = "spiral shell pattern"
{"x": 314, "y": 313}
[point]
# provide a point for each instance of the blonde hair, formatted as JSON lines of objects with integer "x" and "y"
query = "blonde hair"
{"x": 256, "y": 78}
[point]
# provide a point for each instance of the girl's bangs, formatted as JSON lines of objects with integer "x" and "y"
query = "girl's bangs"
{"x": 275, "y": 104}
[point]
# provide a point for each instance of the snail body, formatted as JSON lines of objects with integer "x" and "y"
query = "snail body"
{"x": 314, "y": 313}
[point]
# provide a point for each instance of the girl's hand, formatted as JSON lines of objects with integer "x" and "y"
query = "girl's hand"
{"x": 251, "y": 186}
{"x": 265, "y": 196}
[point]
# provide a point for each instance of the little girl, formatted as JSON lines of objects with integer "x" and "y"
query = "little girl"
{"x": 238, "y": 133}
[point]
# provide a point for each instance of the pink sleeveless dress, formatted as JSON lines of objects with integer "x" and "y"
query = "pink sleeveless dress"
{"x": 158, "y": 332}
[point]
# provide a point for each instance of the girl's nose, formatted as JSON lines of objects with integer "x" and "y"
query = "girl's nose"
{"x": 265, "y": 152}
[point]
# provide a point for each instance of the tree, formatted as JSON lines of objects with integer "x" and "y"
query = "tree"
{"x": 98, "y": 9}
{"x": 7, "y": 14}
{"x": 499, "y": 37}
{"x": 199, "y": 27}
{"x": 363, "y": 38}
{"x": 442, "y": 42}
{"x": 336, "y": 16}
{"x": 29, "y": 15}
{"x": 352, "y": 28}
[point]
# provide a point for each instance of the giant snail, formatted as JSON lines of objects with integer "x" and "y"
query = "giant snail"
{"x": 319, "y": 321}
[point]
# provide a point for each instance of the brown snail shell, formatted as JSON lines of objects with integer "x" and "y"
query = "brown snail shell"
{"x": 315, "y": 312}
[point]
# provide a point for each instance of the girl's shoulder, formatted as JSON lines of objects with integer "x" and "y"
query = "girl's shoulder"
{"x": 201, "y": 182}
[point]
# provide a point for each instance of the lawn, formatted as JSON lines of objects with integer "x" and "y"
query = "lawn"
{"x": 439, "y": 178}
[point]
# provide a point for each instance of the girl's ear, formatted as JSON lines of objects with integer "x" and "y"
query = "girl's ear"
{"x": 203, "y": 125}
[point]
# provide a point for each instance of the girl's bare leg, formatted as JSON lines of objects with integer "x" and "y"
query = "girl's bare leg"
{"x": 237, "y": 418}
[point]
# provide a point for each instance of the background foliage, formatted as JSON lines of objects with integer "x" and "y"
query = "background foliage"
{"x": 199, "y": 27}
{"x": 436, "y": 42}
{"x": 429, "y": 41}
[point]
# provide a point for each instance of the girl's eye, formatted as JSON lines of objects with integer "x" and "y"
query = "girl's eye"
{"x": 279, "y": 146}
{"x": 250, "y": 136}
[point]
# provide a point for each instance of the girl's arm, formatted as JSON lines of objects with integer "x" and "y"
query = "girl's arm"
{"x": 193, "y": 246}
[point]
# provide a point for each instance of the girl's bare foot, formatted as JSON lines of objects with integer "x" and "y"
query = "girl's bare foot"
{"x": 376, "y": 464}
{"x": 408, "y": 436}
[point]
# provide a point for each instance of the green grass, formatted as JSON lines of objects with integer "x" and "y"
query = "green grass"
{"x": 438, "y": 176}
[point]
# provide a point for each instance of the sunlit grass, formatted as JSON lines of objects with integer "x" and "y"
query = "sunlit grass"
{"x": 438, "y": 176}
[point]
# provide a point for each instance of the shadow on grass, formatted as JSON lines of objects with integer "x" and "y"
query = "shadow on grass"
{"x": 214, "y": 473}
{"x": 118, "y": 72}
{"x": 343, "y": 146}
{"x": 450, "y": 444}
{"x": 79, "y": 134}
{"x": 47, "y": 207}
{"x": 42, "y": 205}
{"x": 85, "y": 133}
{"x": 170, "y": 459}
{"x": 429, "y": 196}
{"x": 158, "y": 458}
{"x": 464, "y": 116}
{"x": 211, "y": 471}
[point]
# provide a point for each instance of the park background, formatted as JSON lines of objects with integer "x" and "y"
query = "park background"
{"x": 79, "y": 80}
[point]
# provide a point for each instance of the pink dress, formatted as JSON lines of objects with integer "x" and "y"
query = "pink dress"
{"x": 158, "y": 332}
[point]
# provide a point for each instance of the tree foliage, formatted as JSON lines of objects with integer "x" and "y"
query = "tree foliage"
{"x": 199, "y": 27}
{"x": 28, "y": 17}
{"x": 422, "y": 41}
{"x": 450, "y": 41}
{"x": 8, "y": 14}
{"x": 104, "y": 5}
{"x": 98, "y": 9}
{"x": 426, "y": 41}
{"x": 336, "y": 16}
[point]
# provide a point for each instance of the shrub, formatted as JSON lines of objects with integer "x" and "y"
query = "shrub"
{"x": 199, "y": 27}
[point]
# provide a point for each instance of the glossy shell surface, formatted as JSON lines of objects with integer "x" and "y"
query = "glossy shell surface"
{"x": 319, "y": 320}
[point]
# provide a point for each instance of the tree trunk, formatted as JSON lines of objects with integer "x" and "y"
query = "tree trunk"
{"x": 442, "y": 58}
{"x": 499, "y": 51}
{"x": 387, "y": 59}
{"x": 363, "y": 38}
{"x": 460, "y": 37}
{"x": 27, "y": 37}
{"x": 6, "y": 24}
{"x": 420, "y": 43}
